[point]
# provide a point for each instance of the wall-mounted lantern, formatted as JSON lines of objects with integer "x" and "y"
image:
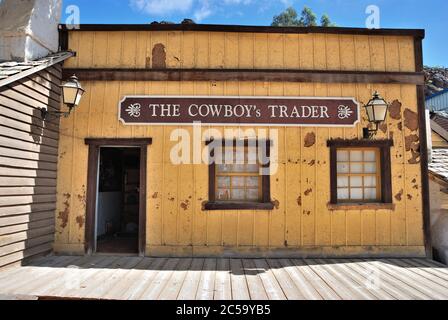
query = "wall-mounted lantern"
{"x": 72, "y": 92}
{"x": 376, "y": 112}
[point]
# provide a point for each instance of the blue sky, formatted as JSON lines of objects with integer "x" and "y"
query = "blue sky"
{"x": 429, "y": 15}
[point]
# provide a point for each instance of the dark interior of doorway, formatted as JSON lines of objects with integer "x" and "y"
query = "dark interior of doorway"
{"x": 118, "y": 200}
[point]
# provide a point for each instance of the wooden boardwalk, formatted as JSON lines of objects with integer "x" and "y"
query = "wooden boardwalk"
{"x": 107, "y": 277}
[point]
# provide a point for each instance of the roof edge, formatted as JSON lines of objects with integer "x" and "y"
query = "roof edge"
{"x": 416, "y": 33}
{"x": 52, "y": 60}
{"x": 436, "y": 94}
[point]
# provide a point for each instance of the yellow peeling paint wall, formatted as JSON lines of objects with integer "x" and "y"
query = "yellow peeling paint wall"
{"x": 301, "y": 222}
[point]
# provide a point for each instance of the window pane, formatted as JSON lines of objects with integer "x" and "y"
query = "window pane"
{"x": 356, "y": 156}
{"x": 252, "y": 182}
{"x": 370, "y": 194}
{"x": 238, "y": 182}
{"x": 240, "y": 156}
{"x": 369, "y": 156}
{"x": 238, "y": 194}
{"x": 342, "y": 182}
{"x": 343, "y": 194}
{"x": 356, "y": 194}
{"x": 343, "y": 156}
{"x": 355, "y": 181}
{"x": 369, "y": 181}
{"x": 343, "y": 168}
{"x": 223, "y": 194}
{"x": 223, "y": 182}
{"x": 223, "y": 168}
{"x": 356, "y": 168}
{"x": 252, "y": 168}
{"x": 370, "y": 168}
{"x": 252, "y": 194}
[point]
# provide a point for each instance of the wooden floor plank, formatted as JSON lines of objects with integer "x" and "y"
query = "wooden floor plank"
{"x": 115, "y": 277}
{"x": 291, "y": 291}
{"x": 320, "y": 285}
{"x": 65, "y": 277}
{"x": 88, "y": 275}
{"x": 433, "y": 289}
{"x": 270, "y": 283}
{"x": 30, "y": 279}
{"x": 135, "y": 281}
{"x": 379, "y": 282}
{"x": 254, "y": 283}
{"x": 399, "y": 282}
{"x": 240, "y": 291}
{"x": 190, "y": 286}
{"x": 223, "y": 287}
{"x": 107, "y": 279}
{"x": 206, "y": 286}
{"x": 333, "y": 281}
{"x": 427, "y": 266}
{"x": 301, "y": 282}
{"x": 153, "y": 290}
{"x": 422, "y": 272}
{"x": 173, "y": 286}
{"x": 70, "y": 278}
{"x": 361, "y": 281}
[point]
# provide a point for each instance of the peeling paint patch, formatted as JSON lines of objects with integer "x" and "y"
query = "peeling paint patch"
{"x": 83, "y": 197}
{"x": 63, "y": 215}
{"x": 185, "y": 205}
{"x": 310, "y": 140}
{"x": 395, "y": 110}
{"x": 308, "y": 192}
{"x": 312, "y": 163}
{"x": 307, "y": 213}
{"x": 276, "y": 204}
{"x": 400, "y": 126}
{"x": 155, "y": 195}
{"x": 299, "y": 201}
{"x": 409, "y": 197}
{"x": 383, "y": 127}
{"x": 159, "y": 56}
{"x": 80, "y": 220}
{"x": 411, "y": 120}
{"x": 399, "y": 196}
{"x": 412, "y": 144}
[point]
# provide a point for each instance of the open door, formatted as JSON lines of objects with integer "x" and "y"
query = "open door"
{"x": 116, "y": 196}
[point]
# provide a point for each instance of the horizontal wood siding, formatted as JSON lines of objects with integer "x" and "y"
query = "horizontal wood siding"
{"x": 28, "y": 166}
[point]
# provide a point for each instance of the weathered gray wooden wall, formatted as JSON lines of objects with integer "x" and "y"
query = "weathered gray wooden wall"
{"x": 28, "y": 166}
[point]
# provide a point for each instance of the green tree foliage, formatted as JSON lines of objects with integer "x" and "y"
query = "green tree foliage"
{"x": 308, "y": 18}
{"x": 287, "y": 18}
{"x": 290, "y": 18}
{"x": 325, "y": 21}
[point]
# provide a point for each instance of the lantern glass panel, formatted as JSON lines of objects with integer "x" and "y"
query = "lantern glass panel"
{"x": 70, "y": 94}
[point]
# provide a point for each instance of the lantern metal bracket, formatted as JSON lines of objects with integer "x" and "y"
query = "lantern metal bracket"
{"x": 370, "y": 133}
{"x": 45, "y": 114}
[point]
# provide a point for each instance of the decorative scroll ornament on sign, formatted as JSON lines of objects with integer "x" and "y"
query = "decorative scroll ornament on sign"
{"x": 239, "y": 111}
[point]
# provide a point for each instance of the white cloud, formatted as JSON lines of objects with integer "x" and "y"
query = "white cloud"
{"x": 244, "y": 2}
{"x": 203, "y": 11}
{"x": 287, "y": 3}
{"x": 161, "y": 7}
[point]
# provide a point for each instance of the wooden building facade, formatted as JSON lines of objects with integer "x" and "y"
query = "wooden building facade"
{"x": 303, "y": 215}
{"x": 28, "y": 156}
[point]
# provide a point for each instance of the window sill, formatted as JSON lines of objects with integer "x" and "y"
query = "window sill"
{"x": 361, "y": 206}
{"x": 210, "y": 206}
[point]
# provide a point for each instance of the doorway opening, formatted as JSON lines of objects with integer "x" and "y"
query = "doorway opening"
{"x": 118, "y": 200}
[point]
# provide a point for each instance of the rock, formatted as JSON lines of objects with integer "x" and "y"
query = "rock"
{"x": 188, "y": 21}
{"x": 436, "y": 79}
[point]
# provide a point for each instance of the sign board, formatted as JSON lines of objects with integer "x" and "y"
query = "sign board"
{"x": 239, "y": 111}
